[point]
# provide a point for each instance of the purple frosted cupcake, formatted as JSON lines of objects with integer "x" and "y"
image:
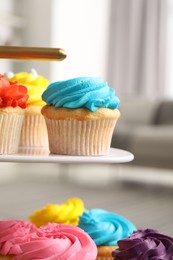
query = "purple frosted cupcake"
{"x": 145, "y": 244}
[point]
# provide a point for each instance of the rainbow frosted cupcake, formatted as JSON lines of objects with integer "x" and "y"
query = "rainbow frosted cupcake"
{"x": 65, "y": 213}
{"x": 34, "y": 131}
{"x": 13, "y": 98}
{"x": 80, "y": 115}
{"x": 145, "y": 244}
{"x": 105, "y": 228}
{"x": 21, "y": 240}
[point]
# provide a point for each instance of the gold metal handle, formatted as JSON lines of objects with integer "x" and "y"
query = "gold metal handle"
{"x": 32, "y": 53}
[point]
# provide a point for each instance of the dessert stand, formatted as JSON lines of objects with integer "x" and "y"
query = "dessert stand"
{"x": 42, "y": 155}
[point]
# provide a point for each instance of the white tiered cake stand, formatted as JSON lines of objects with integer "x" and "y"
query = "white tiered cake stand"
{"x": 42, "y": 155}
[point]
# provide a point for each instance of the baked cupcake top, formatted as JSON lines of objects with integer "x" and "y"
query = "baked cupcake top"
{"x": 85, "y": 92}
{"x": 51, "y": 242}
{"x": 145, "y": 244}
{"x": 36, "y": 85}
{"x": 105, "y": 227}
{"x": 12, "y": 94}
{"x": 65, "y": 213}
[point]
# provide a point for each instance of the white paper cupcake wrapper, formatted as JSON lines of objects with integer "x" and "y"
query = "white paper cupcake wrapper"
{"x": 34, "y": 132}
{"x": 74, "y": 137}
{"x": 10, "y": 129}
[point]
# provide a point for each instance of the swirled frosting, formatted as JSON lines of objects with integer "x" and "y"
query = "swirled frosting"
{"x": 87, "y": 92}
{"x": 36, "y": 85}
{"x": 12, "y": 94}
{"x": 65, "y": 213}
{"x": 71, "y": 242}
{"x": 23, "y": 241}
{"x": 104, "y": 227}
{"x": 12, "y": 234}
{"x": 145, "y": 244}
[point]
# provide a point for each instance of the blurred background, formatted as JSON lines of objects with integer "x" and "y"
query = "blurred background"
{"x": 129, "y": 44}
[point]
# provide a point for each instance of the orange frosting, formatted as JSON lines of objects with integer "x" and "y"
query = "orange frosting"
{"x": 12, "y": 94}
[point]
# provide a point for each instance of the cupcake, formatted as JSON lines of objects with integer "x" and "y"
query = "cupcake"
{"x": 105, "y": 228}
{"x": 65, "y": 213}
{"x": 72, "y": 242}
{"x": 22, "y": 241}
{"x": 13, "y": 98}
{"x": 34, "y": 131}
{"x": 80, "y": 115}
{"x": 145, "y": 244}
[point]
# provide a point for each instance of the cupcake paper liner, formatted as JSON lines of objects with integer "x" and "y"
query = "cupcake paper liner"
{"x": 105, "y": 252}
{"x": 10, "y": 129}
{"x": 34, "y": 131}
{"x": 43, "y": 151}
{"x": 73, "y": 137}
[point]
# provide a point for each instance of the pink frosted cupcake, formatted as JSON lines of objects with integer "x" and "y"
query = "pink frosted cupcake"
{"x": 20, "y": 240}
{"x": 72, "y": 242}
{"x": 80, "y": 115}
{"x": 13, "y": 98}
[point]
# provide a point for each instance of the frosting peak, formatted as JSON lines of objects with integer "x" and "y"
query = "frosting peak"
{"x": 104, "y": 227}
{"x": 145, "y": 244}
{"x": 87, "y": 92}
{"x": 12, "y": 94}
{"x": 35, "y": 84}
{"x": 65, "y": 213}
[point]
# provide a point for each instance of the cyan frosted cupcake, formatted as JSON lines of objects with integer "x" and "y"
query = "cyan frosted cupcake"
{"x": 80, "y": 115}
{"x": 106, "y": 229}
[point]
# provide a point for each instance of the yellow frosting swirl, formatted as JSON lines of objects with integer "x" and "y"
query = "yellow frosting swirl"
{"x": 35, "y": 84}
{"x": 65, "y": 213}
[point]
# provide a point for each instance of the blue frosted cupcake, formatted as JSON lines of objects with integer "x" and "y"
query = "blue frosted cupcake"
{"x": 80, "y": 115}
{"x": 106, "y": 229}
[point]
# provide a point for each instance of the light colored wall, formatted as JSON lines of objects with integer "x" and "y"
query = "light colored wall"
{"x": 6, "y": 28}
{"x": 169, "y": 50}
{"x": 36, "y": 31}
{"x": 80, "y": 27}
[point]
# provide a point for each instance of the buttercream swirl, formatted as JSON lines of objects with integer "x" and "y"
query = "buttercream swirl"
{"x": 145, "y": 244}
{"x": 87, "y": 92}
{"x": 36, "y": 85}
{"x": 12, "y": 94}
{"x": 65, "y": 213}
{"x": 13, "y": 233}
{"x": 23, "y": 241}
{"x": 71, "y": 243}
{"x": 104, "y": 227}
